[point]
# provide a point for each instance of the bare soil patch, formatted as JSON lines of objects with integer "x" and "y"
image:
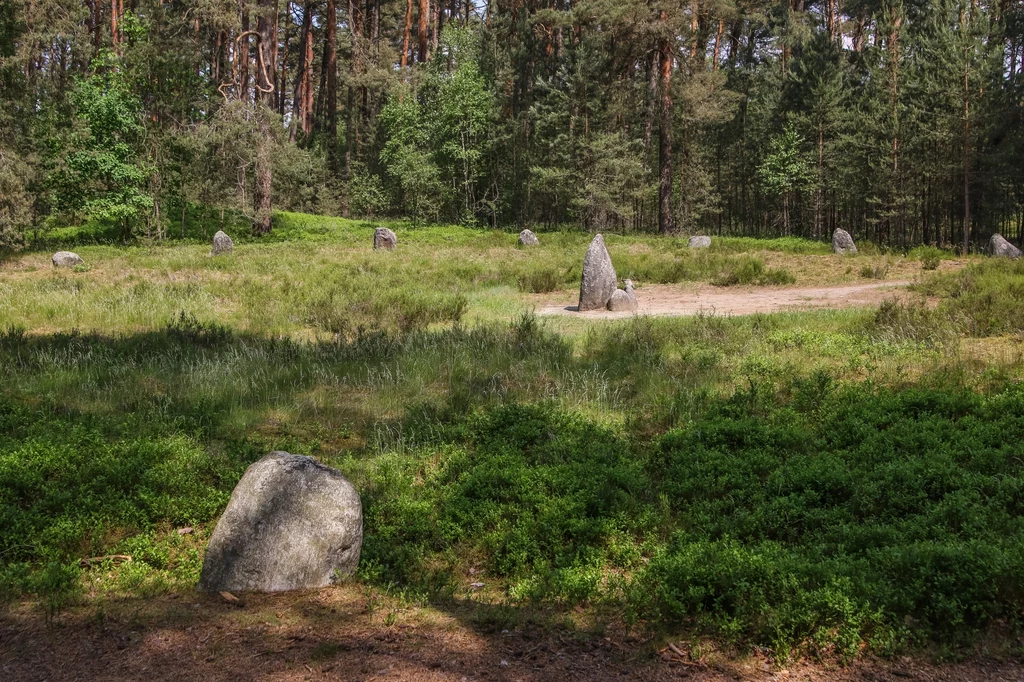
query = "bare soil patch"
{"x": 676, "y": 300}
{"x": 347, "y": 633}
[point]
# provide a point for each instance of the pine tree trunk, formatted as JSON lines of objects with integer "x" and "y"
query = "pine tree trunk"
{"x": 652, "y": 99}
{"x": 424, "y": 14}
{"x": 665, "y": 224}
{"x": 435, "y": 10}
{"x": 405, "y": 37}
{"x": 114, "y": 32}
{"x": 264, "y": 179}
{"x": 263, "y": 106}
{"x": 242, "y": 57}
{"x": 439, "y": 24}
{"x": 967, "y": 157}
{"x": 331, "y": 82}
{"x": 283, "y": 80}
{"x": 718, "y": 44}
{"x": 266, "y": 56}
{"x": 302, "y": 103}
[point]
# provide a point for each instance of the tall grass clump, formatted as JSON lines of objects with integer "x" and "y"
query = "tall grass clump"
{"x": 984, "y": 299}
{"x": 750, "y": 270}
{"x": 898, "y": 321}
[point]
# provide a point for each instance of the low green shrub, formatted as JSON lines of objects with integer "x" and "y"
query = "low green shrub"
{"x": 797, "y": 514}
{"x": 984, "y": 299}
{"x": 929, "y": 256}
{"x": 878, "y": 270}
{"x": 752, "y": 271}
{"x": 852, "y": 515}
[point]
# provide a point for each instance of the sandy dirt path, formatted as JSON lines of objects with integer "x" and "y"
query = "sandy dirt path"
{"x": 681, "y": 300}
{"x": 344, "y": 634}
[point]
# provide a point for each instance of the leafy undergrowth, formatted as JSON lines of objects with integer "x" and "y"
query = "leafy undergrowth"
{"x": 752, "y": 271}
{"x": 984, "y": 299}
{"x": 814, "y": 522}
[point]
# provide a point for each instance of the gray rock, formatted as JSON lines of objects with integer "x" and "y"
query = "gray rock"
{"x": 699, "y": 242}
{"x": 623, "y": 300}
{"x": 383, "y": 238}
{"x": 599, "y": 280}
{"x": 222, "y": 243}
{"x": 528, "y": 238}
{"x": 66, "y": 259}
{"x": 292, "y": 523}
{"x": 998, "y": 246}
{"x": 842, "y": 242}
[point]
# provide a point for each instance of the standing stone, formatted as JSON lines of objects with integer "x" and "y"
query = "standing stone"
{"x": 383, "y": 238}
{"x": 528, "y": 238}
{"x": 842, "y": 242}
{"x": 292, "y": 523}
{"x": 623, "y": 299}
{"x": 599, "y": 279}
{"x": 222, "y": 243}
{"x": 66, "y": 259}
{"x": 998, "y": 246}
{"x": 699, "y": 242}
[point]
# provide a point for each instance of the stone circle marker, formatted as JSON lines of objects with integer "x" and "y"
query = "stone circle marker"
{"x": 842, "y": 242}
{"x": 623, "y": 300}
{"x": 66, "y": 259}
{"x": 599, "y": 280}
{"x": 699, "y": 242}
{"x": 383, "y": 238}
{"x": 222, "y": 243}
{"x": 999, "y": 246}
{"x": 292, "y": 523}
{"x": 528, "y": 238}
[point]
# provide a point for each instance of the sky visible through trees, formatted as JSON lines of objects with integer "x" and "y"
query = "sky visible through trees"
{"x": 899, "y": 121}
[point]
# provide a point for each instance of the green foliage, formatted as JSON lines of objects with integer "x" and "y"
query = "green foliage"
{"x": 897, "y": 321}
{"x": 367, "y": 194}
{"x": 784, "y": 168}
{"x": 68, "y": 481}
{"x": 793, "y": 527}
{"x": 752, "y": 271}
{"x": 100, "y": 175}
{"x": 15, "y": 203}
{"x": 929, "y": 256}
{"x": 848, "y": 508}
{"x": 537, "y": 492}
{"x": 983, "y": 299}
{"x": 407, "y": 157}
{"x": 436, "y": 133}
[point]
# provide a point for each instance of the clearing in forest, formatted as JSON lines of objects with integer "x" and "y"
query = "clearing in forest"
{"x": 672, "y": 300}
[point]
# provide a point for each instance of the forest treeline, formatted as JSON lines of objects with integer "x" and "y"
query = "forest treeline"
{"x": 899, "y": 121}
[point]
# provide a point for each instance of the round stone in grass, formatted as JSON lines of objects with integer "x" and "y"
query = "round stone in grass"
{"x": 383, "y": 238}
{"x": 292, "y": 524}
{"x": 66, "y": 259}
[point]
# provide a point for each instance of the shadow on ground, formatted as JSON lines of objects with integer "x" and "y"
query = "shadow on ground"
{"x": 346, "y": 633}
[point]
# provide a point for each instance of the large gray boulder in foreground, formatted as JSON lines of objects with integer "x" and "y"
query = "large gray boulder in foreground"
{"x": 222, "y": 243}
{"x": 292, "y": 523}
{"x": 599, "y": 278}
{"x": 66, "y": 259}
{"x": 528, "y": 238}
{"x": 383, "y": 238}
{"x": 623, "y": 300}
{"x": 699, "y": 242}
{"x": 842, "y": 242}
{"x": 998, "y": 246}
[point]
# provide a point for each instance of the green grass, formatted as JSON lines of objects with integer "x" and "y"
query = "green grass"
{"x": 316, "y": 277}
{"x": 807, "y": 482}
